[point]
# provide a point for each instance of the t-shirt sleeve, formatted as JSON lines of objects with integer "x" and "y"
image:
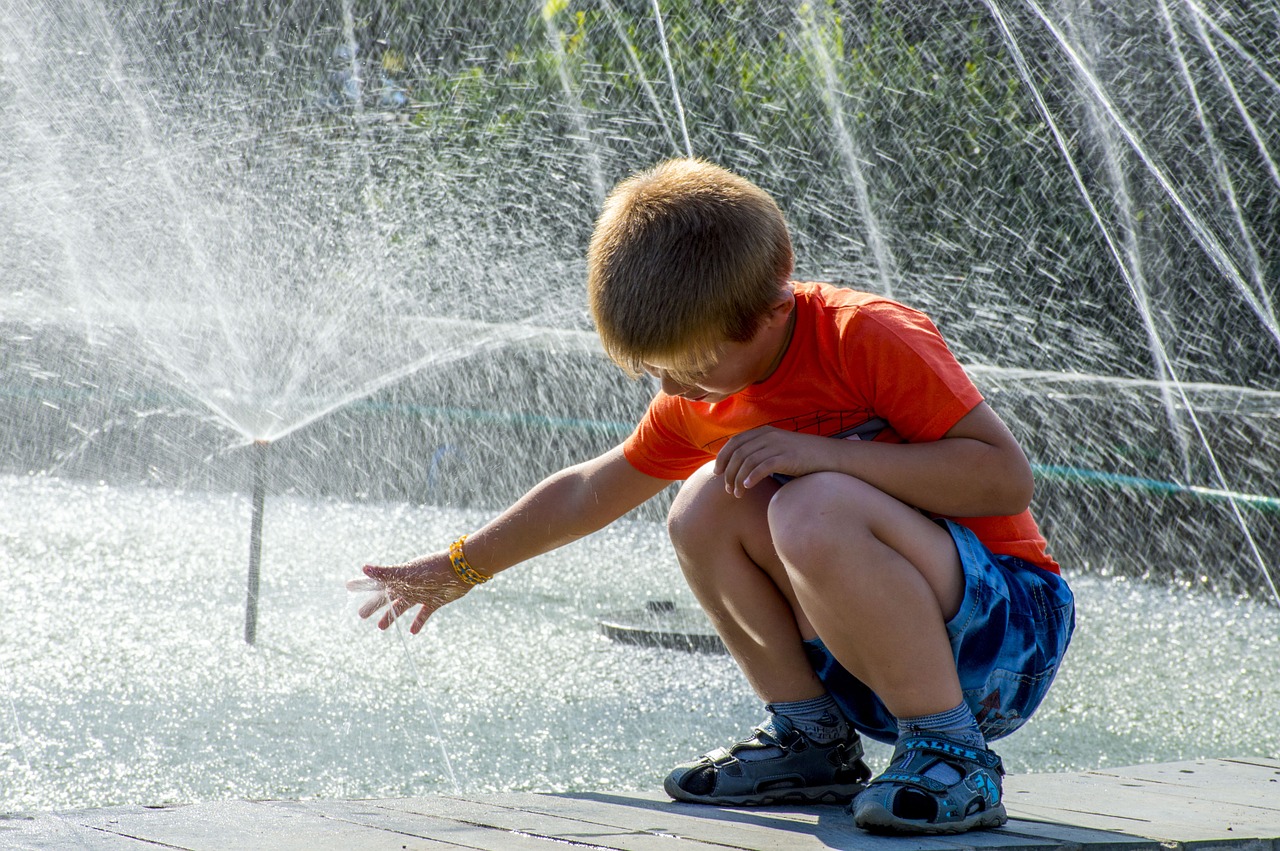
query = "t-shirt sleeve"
{"x": 656, "y": 448}
{"x": 914, "y": 381}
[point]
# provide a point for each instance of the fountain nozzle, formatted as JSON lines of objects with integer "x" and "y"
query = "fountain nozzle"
{"x": 255, "y": 539}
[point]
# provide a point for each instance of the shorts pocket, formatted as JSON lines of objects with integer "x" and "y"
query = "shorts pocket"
{"x": 1005, "y": 701}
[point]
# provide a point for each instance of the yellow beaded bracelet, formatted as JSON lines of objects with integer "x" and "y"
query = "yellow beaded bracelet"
{"x": 462, "y": 567}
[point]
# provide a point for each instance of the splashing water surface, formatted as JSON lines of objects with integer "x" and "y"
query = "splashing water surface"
{"x": 148, "y": 694}
{"x": 360, "y": 237}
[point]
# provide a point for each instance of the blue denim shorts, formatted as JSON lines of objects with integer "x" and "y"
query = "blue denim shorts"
{"x": 1008, "y": 638}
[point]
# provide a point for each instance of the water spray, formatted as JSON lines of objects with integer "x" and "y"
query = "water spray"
{"x": 671, "y": 78}
{"x": 260, "y": 448}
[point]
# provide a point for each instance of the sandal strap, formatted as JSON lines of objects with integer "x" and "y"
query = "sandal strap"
{"x": 761, "y": 737}
{"x": 947, "y": 749}
{"x": 854, "y": 751}
{"x": 769, "y": 735}
{"x": 907, "y": 778}
{"x": 719, "y": 757}
{"x": 772, "y": 734}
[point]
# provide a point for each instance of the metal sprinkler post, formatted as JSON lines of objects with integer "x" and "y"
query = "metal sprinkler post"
{"x": 255, "y": 539}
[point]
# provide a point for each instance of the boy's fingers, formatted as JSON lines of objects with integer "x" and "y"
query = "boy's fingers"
{"x": 726, "y": 455}
{"x": 366, "y": 584}
{"x": 726, "y": 468}
{"x": 749, "y": 474}
{"x": 419, "y": 621}
{"x": 372, "y": 605}
{"x": 396, "y": 610}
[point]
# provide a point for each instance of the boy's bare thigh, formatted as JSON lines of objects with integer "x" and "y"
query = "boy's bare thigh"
{"x": 865, "y": 520}
{"x": 821, "y": 504}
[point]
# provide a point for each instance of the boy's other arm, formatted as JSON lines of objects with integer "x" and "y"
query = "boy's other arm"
{"x": 976, "y": 469}
{"x": 561, "y": 508}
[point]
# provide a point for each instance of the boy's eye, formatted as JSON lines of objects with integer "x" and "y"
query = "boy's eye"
{"x": 688, "y": 378}
{"x": 678, "y": 376}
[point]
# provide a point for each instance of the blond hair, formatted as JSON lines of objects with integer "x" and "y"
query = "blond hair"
{"x": 684, "y": 257}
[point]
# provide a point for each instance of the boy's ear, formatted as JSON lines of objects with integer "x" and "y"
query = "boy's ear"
{"x": 780, "y": 309}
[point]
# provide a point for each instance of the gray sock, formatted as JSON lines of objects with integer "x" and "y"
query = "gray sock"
{"x": 819, "y": 718}
{"x": 957, "y": 724}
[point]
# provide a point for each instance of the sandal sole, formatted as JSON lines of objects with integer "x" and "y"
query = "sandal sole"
{"x": 822, "y": 795}
{"x": 876, "y": 819}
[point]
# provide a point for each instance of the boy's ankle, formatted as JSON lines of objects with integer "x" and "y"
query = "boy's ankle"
{"x": 957, "y": 724}
{"x": 819, "y": 719}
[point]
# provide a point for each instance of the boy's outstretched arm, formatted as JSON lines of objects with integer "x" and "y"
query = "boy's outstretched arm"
{"x": 560, "y": 509}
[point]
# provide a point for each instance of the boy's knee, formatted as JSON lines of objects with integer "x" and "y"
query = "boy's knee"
{"x": 693, "y": 507}
{"x": 705, "y": 515}
{"x": 806, "y": 533}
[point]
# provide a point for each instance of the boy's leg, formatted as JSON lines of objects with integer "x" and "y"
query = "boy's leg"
{"x": 728, "y": 559}
{"x": 876, "y": 579}
{"x": 805, "y": 750}
{"x": 879, "y": 581}
{"x": 832, "y": 556}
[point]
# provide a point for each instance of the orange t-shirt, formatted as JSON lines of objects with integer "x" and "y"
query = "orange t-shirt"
{"x": 854, "y": 359}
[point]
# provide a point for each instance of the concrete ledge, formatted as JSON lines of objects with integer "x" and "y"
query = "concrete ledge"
{"x": 1197, "y": 806}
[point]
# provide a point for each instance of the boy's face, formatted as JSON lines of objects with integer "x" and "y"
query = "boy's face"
{"x": 736, "y": 366}
{"x": 731, "y": 371}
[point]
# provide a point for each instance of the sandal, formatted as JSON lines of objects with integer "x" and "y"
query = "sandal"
{"x": 909, "y": 797}
{"x": 778, "y": 764}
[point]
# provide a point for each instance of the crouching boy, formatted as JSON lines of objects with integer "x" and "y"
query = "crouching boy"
{"x": 853, "y": 519}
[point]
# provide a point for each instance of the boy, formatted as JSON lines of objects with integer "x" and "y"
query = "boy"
{"x": 854, "y": 579}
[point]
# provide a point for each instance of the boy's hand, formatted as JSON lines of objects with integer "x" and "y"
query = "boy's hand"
{"x": 428, "y": 581}
{"x": 749, "y": 458}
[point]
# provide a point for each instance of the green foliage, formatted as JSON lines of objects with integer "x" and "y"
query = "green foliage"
{"x": 931, "y": 107}
{"x": 960, "y": 173}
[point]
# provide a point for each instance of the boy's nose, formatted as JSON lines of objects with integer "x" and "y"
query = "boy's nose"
{"x": 672, "y": 387}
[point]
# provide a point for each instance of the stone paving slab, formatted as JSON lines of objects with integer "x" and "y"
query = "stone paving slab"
{"x": 1201, "y": 805}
